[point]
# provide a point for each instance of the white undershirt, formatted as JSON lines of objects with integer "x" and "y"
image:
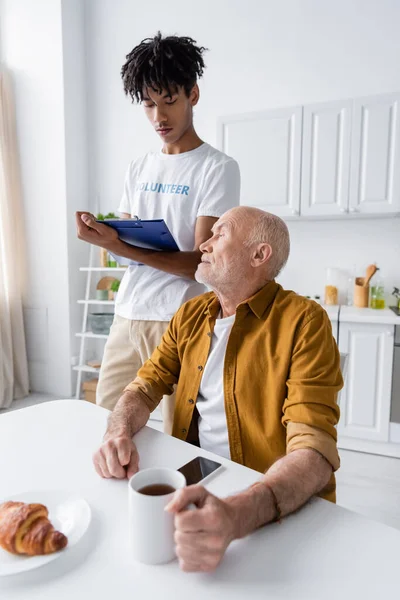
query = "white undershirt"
{"x": 213, "y": 429}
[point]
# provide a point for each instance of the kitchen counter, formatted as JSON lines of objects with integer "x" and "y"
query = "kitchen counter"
{"x": 352, "y": 314}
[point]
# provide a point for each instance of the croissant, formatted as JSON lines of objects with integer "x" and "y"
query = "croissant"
{"x": 26, "y": 529}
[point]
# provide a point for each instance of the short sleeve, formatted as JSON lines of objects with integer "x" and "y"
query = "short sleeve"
{"x": 221, "y": 189}
{"x": 125, "y": 206}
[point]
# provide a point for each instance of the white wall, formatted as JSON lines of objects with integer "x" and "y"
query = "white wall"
{"x": 76, "y": 154}
{"x": 32, "y": 48}
{"x": 263, "y": 54}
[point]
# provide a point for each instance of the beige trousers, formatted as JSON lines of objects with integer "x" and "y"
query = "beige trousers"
{"x": 128, "y": 346}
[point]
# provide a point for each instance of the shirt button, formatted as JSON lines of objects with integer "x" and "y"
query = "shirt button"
{"x": 184, "y": 430}
{"x": 200, "y": 368}
{"x": 209, "y": 334}
{"x": 191, "y": 401}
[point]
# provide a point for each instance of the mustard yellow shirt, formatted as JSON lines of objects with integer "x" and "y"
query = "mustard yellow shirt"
{"x": 281, "y": 376}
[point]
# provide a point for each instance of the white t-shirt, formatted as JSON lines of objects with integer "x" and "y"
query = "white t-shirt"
{"x": 213, "y": 429}
{"x": 177, "y": 188}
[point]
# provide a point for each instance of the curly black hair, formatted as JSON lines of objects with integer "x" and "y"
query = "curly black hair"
{"x": 162, "y": 64}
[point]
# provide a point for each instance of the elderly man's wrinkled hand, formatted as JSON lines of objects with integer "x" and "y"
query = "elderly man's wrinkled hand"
{"x": 89, "y": 230}
{"x": 117, "y": 457}
{"x": 202, "y": 535}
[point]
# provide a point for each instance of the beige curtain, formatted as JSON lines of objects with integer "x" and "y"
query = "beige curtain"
{"x": 13, "y": 362}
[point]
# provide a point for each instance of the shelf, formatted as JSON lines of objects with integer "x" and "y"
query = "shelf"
{"x": 107, "y": 302}
{"x": 119, "y": 269}
{"x": 86, "y": 369}
{"x": 89, "y": 334}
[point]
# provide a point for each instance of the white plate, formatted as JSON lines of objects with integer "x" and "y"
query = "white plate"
{"x": 68, "y": 513}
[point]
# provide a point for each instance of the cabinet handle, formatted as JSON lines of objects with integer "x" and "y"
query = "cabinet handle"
{"x": 295, "y": 212}
{"x": 353, "y": 209}
{"x": 344, "y": 210}
{"x": 389, "y": 333}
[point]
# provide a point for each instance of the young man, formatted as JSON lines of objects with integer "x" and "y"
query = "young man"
{"x": 188, "y": 183}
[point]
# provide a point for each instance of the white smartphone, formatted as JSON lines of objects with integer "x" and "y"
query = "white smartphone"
{"x": 198, "y": 469}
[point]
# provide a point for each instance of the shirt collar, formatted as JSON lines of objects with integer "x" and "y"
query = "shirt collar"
{"x": 263, "y": 298}
{"x": 258, "y": 303}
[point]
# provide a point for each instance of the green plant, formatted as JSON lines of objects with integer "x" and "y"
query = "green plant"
{"x": 115, "y": 285}
{"x": 110, "y": 215}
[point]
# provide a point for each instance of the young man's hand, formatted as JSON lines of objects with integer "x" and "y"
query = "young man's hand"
{"x": 202, "y": 535}
{"x": 95, "y": 233}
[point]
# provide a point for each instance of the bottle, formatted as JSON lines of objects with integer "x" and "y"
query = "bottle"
{"x": 350, "y": 287}
{"x": 378, "y": 293}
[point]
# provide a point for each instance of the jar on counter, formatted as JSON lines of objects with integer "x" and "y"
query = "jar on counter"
{"x": 377, "y": 299}
{"x": 332, "y": 286}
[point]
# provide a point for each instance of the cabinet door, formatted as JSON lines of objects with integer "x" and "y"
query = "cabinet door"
{"x": 326, "y": 158}
{"x": 375, "y": 155}
{"x": 267, "y": 146}
{"x": 365, "y": 398}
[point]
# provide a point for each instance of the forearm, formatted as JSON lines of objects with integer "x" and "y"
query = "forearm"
{"x": 183, "y": 264}
{"x": 294, "y": 479}
{"x": 128, "y": 417}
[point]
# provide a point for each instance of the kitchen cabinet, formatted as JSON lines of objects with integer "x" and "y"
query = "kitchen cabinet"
{"x": 366, "y": 397}
{"x": 326, "y": 159}
{"x": 375, "y": 155}
{"x": 336, "y": 159}
{"x": 267, "y": 146}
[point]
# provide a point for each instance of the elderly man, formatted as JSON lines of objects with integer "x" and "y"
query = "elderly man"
{"x": 257, "y": 373}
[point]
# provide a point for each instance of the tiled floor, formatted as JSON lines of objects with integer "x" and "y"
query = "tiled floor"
{"x": 366, "y": 483}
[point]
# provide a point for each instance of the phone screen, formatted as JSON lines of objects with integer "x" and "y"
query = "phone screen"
{"x": 198, "y": 468}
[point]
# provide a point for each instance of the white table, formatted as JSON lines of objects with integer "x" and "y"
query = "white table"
{"x": 322, "y": 552}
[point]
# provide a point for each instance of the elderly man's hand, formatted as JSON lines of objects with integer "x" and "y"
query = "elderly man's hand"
{"x": 202, "y": 535}
{"x": 95, "y": 233}
{"x": 117, "y": 457}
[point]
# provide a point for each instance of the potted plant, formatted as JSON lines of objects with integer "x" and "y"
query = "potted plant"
{"x": 114, "y": 288}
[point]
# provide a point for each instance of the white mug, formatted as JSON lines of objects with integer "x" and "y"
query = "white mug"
{"x": 151, "y": 528}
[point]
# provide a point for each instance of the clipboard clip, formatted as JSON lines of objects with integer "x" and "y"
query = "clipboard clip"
{"x": 137, "y": 221}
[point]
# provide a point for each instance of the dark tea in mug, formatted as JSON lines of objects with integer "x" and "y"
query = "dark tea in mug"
{"x": 157, "y": 489}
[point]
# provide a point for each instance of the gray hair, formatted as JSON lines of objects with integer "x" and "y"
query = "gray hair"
{"x": 270, "y": 229}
